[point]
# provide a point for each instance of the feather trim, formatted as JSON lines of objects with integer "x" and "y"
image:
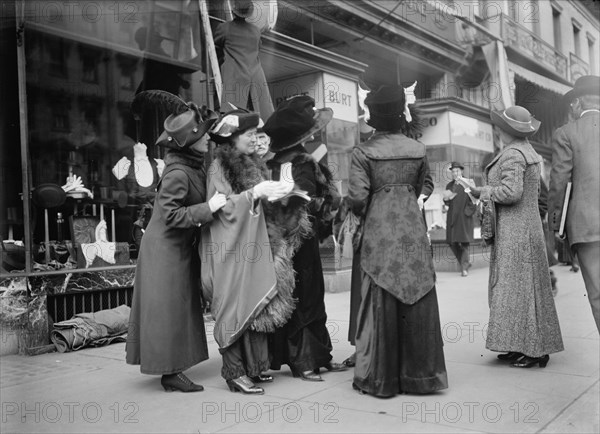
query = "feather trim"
{"x": 286, "y": 226}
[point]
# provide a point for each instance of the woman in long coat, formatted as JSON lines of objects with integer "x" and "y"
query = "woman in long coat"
{"x": 523, "y": 320}
{"x": 166, "y": 331}
{"x": 398, "y": 339}
{"x": 304, "y": 342}
{"x": 246, "y": 253}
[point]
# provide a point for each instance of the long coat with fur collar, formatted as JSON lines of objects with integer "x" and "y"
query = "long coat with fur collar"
{"x": 247, "y": 251}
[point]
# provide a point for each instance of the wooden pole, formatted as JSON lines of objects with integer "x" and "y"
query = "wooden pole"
{"x": 22, "y": 83}
{"x": 210, "y": 46}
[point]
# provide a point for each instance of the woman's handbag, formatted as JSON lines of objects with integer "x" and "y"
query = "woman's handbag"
{"x": 488, "y": 221}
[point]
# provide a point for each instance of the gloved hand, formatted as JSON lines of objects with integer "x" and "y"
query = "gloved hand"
{"x": 270, "y": 189}
{"x": 217, "y": 202}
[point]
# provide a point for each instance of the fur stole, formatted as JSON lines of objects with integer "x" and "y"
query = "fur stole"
{"x": 286, "y": 226}
{"x": 240, "y": 170}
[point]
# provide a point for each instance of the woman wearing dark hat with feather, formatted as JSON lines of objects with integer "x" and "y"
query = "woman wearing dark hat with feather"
{"x": 399, "y": 345}
{"x": 246, "y": 253}
{"x": 523, "y": 321}
{"x": 303, "y": 343}
{"x": 166, "y": 330}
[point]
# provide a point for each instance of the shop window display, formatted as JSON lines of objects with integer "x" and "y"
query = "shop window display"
{"x": 81, "y": 76}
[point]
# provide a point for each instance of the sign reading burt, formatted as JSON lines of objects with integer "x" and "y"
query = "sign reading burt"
{"x": 339, "y": 94}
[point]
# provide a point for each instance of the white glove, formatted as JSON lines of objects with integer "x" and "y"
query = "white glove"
{"x": 421, "y": 201}
{"x": 121, "y": 169}
{"x": 270, "y": 189}
{"x": 217, "y": 202}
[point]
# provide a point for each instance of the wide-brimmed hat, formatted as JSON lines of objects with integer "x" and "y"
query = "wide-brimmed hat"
{"x": 585, "y": 85}
{"x": 456, "y": 165}
{"x": 294, "y": 121}
{"x": 185, "y": 129}
{"x": 242, "y": 8}
{"x": 233, "y": 122}
{"x": 515, "y": 120}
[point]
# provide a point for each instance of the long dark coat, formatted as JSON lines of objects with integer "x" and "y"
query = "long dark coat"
{"x": 459, "y": 218}
{"x": 166, "y": 330}
{"x": 304, "y": 342}
{"x": 238, "y": 44}
{"x": 522, "y": 313}
{"x": 575, "y": 156}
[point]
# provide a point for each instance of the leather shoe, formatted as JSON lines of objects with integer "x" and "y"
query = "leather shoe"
{"x": 262, "y": 378}
{"x": 335, "y": 367}
{"x": 245, "y": 385}
{"x": 350, "y": 361}
{"x": 528, "y": 362}
{"x": 511, "y": 356}
{"x": 464, "y": 273}
{"x": 179, "y": 382}
{"x": 358, "y": 389}
{"x": 307, "y": 375}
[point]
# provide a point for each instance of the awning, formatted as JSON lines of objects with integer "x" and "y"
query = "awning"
{"x": 540, "y": 80}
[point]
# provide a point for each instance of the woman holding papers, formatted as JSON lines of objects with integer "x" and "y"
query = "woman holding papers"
{"x": 523, "y": 321}
{"x": 246, "y": 253}
{"x": 303, "y": 343}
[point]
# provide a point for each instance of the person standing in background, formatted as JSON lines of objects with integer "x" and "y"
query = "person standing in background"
{"x": 459, "y": 219}
{"x": 238, "y": 44}
{"x": 576, "y": 159}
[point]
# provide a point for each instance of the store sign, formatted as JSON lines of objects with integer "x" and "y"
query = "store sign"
{"x": 437, "y": 129}
{"x": 309, "y": 84}
{"x": 337, "y": 93}
{"x": 471, "y": 133}
{"x": 341, "y": 95}
{"x": 457, "y": 129}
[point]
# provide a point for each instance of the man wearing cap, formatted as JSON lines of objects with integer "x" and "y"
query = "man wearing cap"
{"x": 459, "y": 218}
{"x": 576, "y": 159}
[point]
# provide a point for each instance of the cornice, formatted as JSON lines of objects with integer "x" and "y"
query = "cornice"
{"x": 453, "y": 104}
{"x": 589, "y": 17}
{"x": 395, "y": 34}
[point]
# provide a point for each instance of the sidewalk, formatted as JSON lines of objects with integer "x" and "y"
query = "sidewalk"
{"x": 94, "y": 390}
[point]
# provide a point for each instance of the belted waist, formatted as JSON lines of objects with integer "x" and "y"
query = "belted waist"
{"x": 388, "y": 187}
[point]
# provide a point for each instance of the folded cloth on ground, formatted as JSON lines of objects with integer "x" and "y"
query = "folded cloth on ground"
{"x": 91, "y": 329}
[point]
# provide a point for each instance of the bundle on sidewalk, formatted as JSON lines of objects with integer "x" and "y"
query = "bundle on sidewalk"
{"x": 91, "y": 329}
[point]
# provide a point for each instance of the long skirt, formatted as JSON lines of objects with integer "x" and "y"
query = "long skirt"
{"x": 304, "y": 342}
{"x": 249, "y": 355}
{"x": 398, "y": 346}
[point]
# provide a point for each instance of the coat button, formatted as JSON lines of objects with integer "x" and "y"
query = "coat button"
{"x": 387, "y": 189}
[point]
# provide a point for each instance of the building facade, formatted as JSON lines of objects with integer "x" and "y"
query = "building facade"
{"x": 72, "y": 69}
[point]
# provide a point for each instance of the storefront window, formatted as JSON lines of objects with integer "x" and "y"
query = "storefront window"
{"x": 84, "y": 65}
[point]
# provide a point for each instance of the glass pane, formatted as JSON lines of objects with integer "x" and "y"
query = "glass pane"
{"x": 82, "y": 74}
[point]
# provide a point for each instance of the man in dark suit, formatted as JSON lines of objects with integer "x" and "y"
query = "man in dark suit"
{"x": 459, "y": 219}
{"x": 576, "y": 159}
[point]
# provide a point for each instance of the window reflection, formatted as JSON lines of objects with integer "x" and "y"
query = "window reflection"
{"x": 81, "y": 75}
